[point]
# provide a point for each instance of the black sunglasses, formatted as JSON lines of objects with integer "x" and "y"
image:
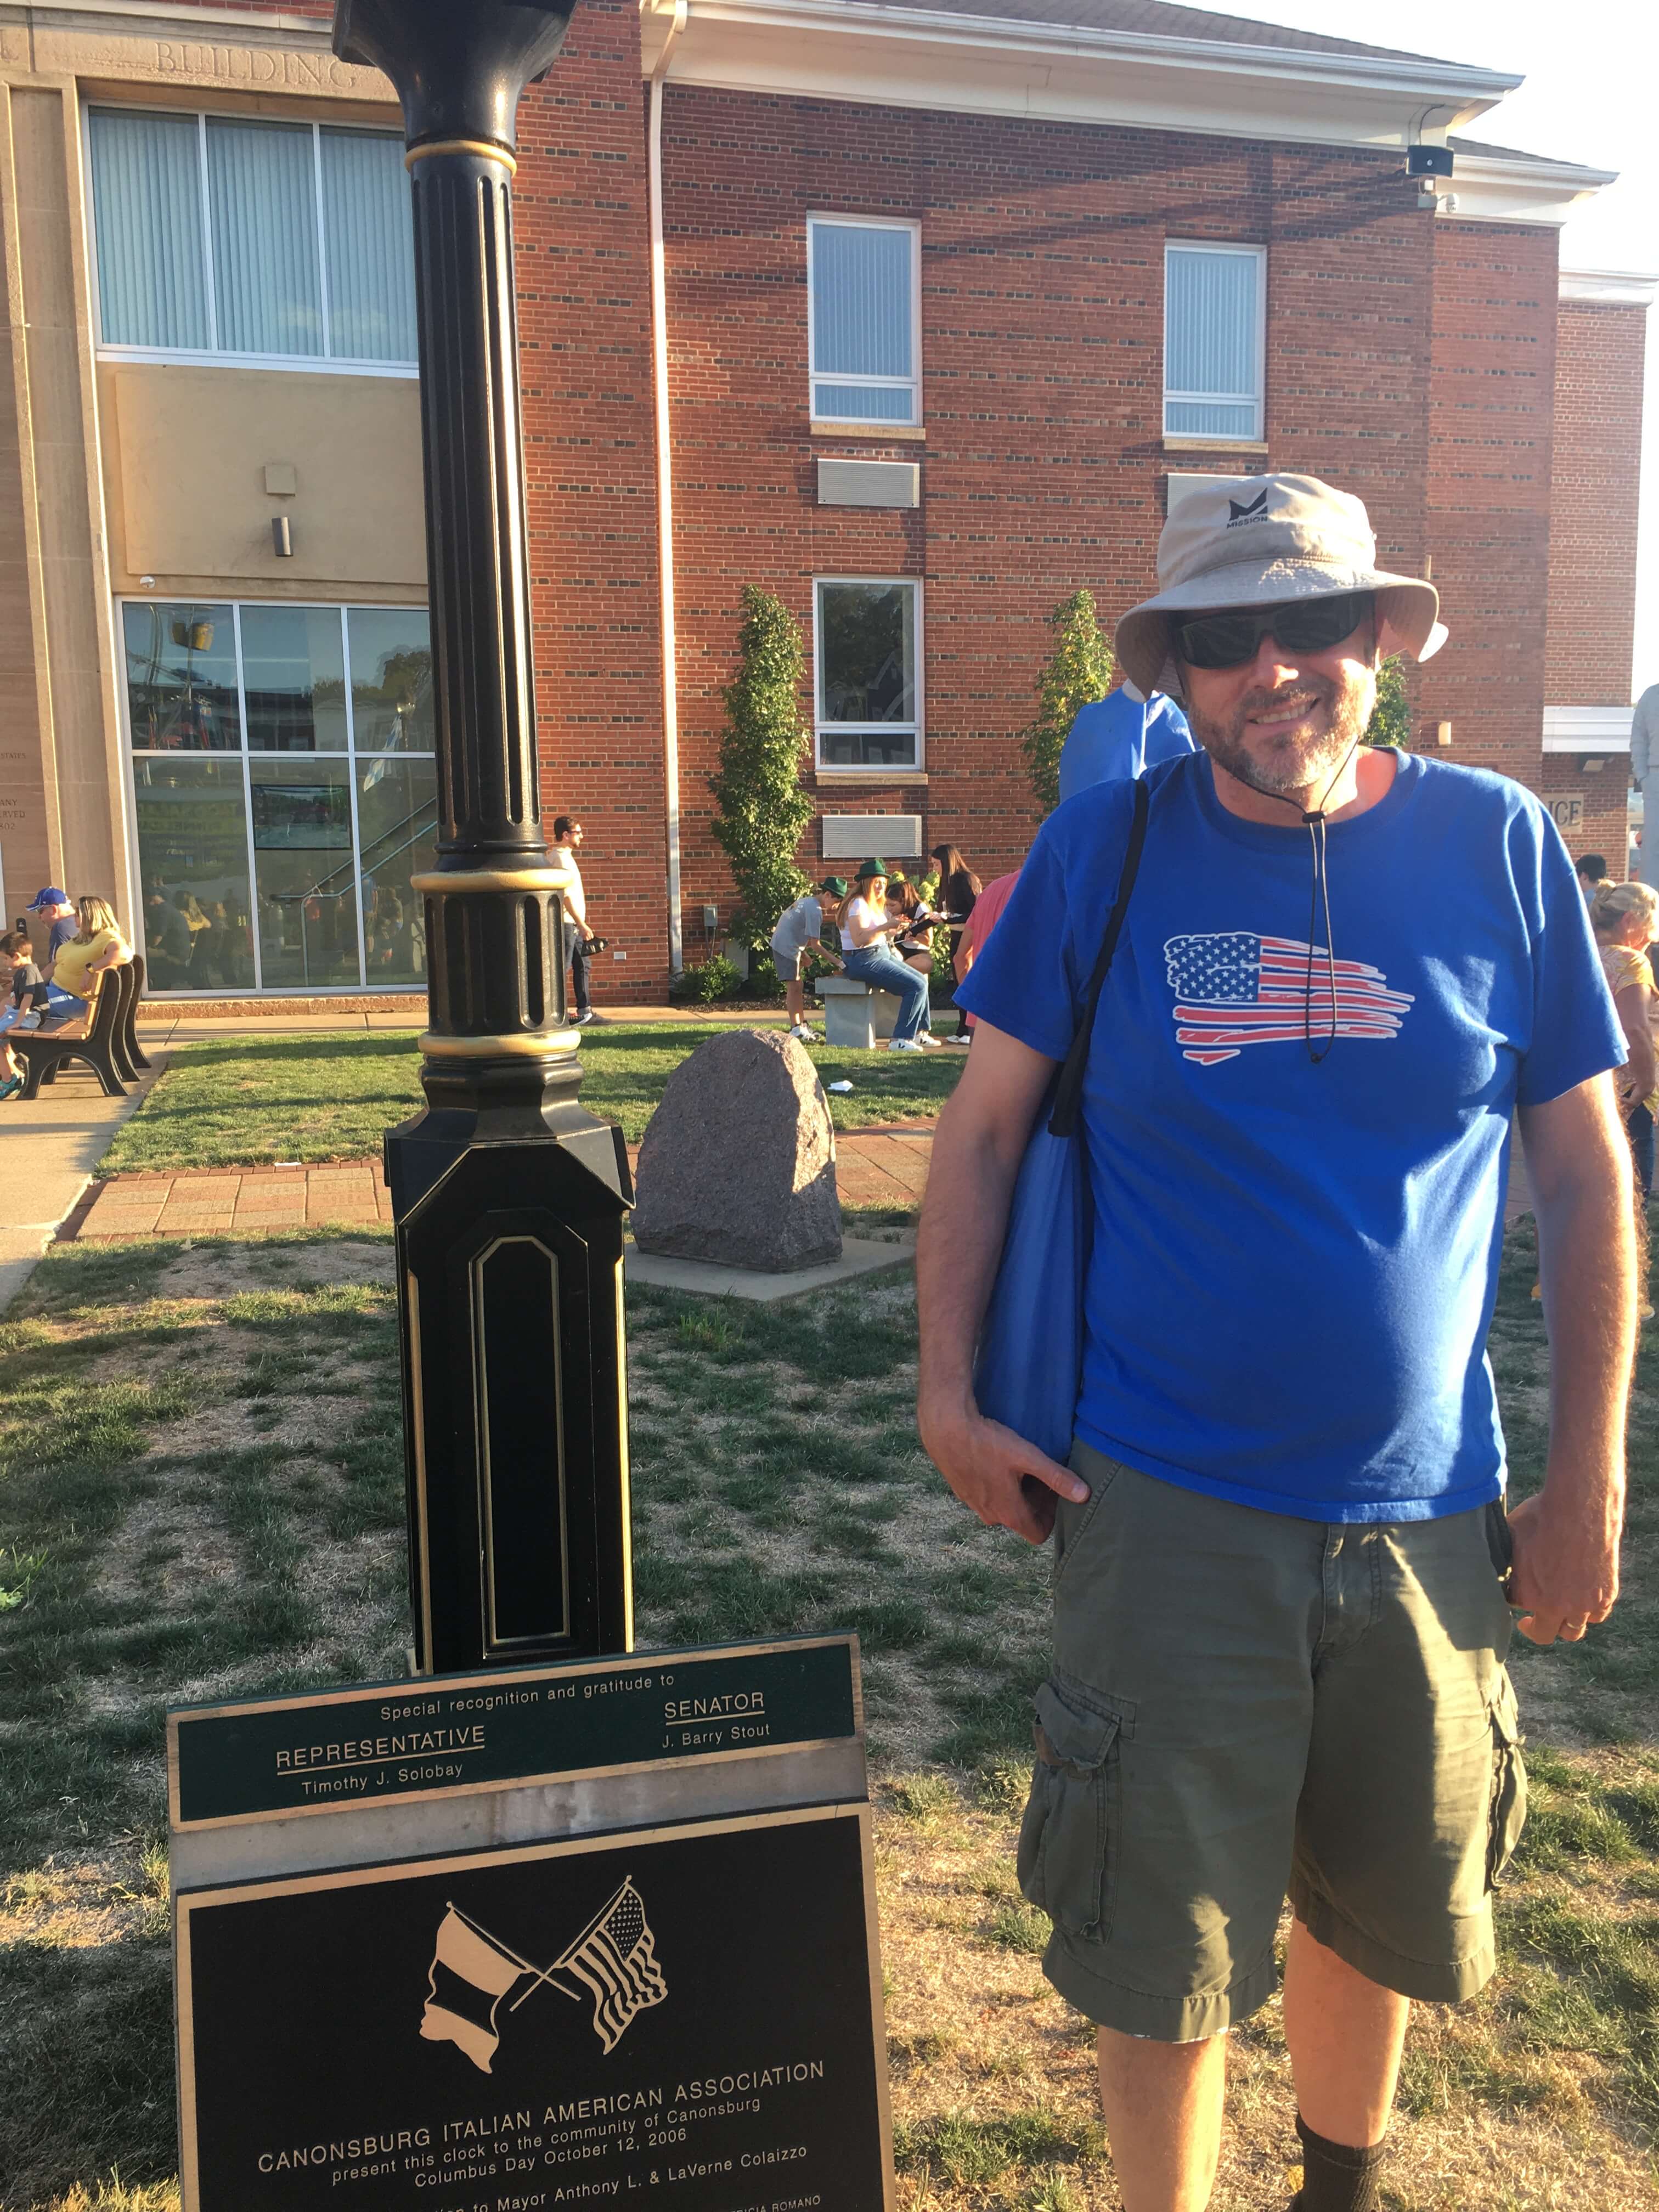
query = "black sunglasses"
{"x": 1300, "y": 626}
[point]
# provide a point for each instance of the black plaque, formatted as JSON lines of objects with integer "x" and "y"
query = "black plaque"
{"x": 375, "y": 1744}
{"x": 686, "y": 2017}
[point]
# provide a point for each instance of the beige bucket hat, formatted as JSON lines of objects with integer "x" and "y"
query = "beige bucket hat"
{"x": 1256, "y": 542}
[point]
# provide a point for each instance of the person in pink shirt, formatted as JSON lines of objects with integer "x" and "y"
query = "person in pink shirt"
{"x": 981, "y": 922}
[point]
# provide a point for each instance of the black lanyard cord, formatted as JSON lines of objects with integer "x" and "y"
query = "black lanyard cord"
{"x": 1321, "y": 884}
{"x": 1320, "y": 890}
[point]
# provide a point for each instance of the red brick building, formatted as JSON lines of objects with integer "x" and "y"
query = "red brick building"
{"x": 948, "y": 301}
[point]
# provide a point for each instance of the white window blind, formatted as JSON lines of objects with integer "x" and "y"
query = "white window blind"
{"x": 272, "y": 241}
{"x": 370, "y": 244}
{"x": 862, "y": 321}
{"x": 261, "y": 184}
{"x": 147, "y": 225}
{"x": 1214, "y": 302}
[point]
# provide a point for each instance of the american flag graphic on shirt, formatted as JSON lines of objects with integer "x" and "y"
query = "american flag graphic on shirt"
{"x": 1233, "y": 988}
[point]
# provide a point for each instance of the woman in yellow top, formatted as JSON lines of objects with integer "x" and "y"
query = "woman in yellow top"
{"x": 98, "y": 944}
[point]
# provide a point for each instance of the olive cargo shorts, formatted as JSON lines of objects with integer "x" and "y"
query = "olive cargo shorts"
{"x": 1242, "y": 1702}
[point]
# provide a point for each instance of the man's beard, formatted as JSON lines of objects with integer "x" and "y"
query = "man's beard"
{"x": 1287, "y": 763}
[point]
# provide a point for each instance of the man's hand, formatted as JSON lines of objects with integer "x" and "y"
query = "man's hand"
{"x": 1009, "y": 1483}
{"x": 1566, "y": 1569}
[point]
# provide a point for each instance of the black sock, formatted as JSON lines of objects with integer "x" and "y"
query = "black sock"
{"x": 1336, "y": 2177}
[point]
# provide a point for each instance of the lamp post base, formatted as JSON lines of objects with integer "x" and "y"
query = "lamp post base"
{"x": 509, "y": 1289}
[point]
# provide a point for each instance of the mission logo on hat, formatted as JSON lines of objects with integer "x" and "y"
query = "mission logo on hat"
{"x": 1240, "y": 542}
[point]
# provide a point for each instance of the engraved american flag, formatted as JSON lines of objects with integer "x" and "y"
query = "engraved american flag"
{"x": 1233, "y": 988}
{"x": 617, "y": 1960}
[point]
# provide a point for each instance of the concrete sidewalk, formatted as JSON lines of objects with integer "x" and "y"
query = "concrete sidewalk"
{"x": 178, "y": 1023}
{"x": 48, "y": 1150}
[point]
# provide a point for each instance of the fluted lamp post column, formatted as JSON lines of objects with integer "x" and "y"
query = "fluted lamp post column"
{"x": 508, "y": 1195}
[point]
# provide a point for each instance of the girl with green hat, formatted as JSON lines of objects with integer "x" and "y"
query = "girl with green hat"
{"x": 867, "y": 929}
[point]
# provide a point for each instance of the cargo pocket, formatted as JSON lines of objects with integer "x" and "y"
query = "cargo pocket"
{"x": 1508, "y": 1813}
{"x": 1066, "y": 1839}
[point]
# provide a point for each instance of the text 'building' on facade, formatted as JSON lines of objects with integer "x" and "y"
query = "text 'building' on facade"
{"x": 917, "y": 316}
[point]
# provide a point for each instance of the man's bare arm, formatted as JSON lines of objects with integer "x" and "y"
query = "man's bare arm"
{"x": 1566, "y": 1538}
{"x": 977, "y": 1149}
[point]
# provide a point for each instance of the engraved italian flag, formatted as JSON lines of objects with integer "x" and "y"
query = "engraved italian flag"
{"x": 469, "y": 1976}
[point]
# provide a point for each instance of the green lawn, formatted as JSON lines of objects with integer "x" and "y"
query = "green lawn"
{"x": 251, "y": 1100}
{"x": 201, "y": 1496}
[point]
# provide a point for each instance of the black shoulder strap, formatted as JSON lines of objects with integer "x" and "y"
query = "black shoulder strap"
{"x": 1068, "y": 1091}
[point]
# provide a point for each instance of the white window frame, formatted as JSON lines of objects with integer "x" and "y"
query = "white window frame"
{"x": 1255, "y": 435}
{"x": 316, "y": 364}
{"x": 895, "y": 770}
{"x": 244, "y": 756}
{"x": 911, "y": 383}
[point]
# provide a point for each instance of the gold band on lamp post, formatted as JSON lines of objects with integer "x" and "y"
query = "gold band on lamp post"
{"x": 515, "y": 1044}
{"x": 442, "y": 881}
{"x": 481, "y": 147}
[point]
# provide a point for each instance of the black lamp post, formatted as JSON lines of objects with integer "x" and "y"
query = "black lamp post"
{"x": 509, "y": 1197}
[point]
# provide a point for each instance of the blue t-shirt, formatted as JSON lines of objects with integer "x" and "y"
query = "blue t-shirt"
{"x": 1118, "y": 736}
{"x": 1294, "y": 1264}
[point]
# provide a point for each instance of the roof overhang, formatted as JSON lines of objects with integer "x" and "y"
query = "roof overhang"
{"x": 1519, "y": 188}
{"x": 971, "y": 65}
{"x": 1586, "y": 729}
{"x": 1609, "y": 288}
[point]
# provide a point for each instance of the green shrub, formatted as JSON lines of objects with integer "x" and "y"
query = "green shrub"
{"x": 1391, "y": 717}
{"x": 762, "y": 981}
{"x": 763, "y": 812}
{"x": 1078, "y": 670}
{"x": 705, "y": 980}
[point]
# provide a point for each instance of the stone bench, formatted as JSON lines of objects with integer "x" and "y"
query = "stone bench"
{"x": 856, "y": 1018}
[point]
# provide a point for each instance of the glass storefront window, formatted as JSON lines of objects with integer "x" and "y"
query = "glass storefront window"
{"x": 305, "y": 875}
{"x": 192, "y": 845}
{"x": 294, "y": 679}
{"x": 391, "y": 679}
{"x": 397, "y": 822}
{"x": 285, "y": 864}
{"x": 181, "y": 677}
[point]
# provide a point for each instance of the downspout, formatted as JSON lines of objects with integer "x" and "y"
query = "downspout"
{"x": 671, "y": 719}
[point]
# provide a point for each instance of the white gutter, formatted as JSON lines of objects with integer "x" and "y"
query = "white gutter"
{"x": 948, "y": 59}
{"x": 1517, "y": 188}
{"x": 1609, "y": 288}
{"x": 1437, "y": 80}
{"x": 671, "y": 716}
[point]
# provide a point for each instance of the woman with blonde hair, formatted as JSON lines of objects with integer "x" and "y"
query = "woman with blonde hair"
{"x": 868, "y": 927}
{"x": 1625, "y": 919}
{"x": 98, "y": 944}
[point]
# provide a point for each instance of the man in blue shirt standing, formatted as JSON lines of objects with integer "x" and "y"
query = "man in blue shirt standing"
{"x": 1284, "y": 1577}
{"x": 1114, "y": 739}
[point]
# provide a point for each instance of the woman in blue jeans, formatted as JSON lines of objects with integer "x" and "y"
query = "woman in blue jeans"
{"x": 867, "y": 956}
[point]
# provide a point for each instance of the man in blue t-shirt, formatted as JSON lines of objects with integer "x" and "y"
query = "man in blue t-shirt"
{"x": 1120, "y": 737}
{"x": 1284, "y": 1579}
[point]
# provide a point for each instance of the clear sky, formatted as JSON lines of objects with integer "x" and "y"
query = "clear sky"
{"x": 1591, "y": 95}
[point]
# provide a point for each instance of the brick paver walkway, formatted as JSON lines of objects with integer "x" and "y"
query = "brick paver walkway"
{"x": 212, "y": 1201}
{"x": 873, "y": 1167}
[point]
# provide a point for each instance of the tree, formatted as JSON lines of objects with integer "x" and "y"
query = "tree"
{"x": 763, "y": 812}
{"x": 1391, "y": 718}
{"x": 1079, "y": 670}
